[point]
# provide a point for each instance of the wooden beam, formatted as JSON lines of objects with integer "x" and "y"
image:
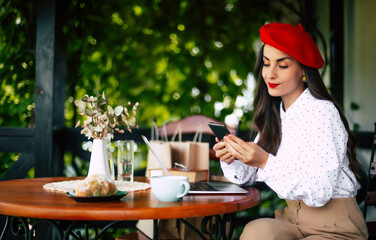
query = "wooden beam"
{"x": 20, "y": 168}
{"x": 16, "y": 132}
{"x": 17, "y": 140}
{"x": 17, "y": 144}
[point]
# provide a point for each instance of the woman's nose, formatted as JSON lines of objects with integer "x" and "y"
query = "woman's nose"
{"x": 271, "y": 72}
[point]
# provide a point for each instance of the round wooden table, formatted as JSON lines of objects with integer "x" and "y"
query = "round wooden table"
{"x": 26, "y": 198}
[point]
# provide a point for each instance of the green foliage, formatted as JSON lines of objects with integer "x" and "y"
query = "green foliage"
{"x": 116, "y": 232}
{"x": 176, "y": 58}
{"x": 7, "y": 160}
{"x": 17, "y": 71}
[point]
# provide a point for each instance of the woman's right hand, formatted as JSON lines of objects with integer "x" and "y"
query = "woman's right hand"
{"x": 222, "y": 152}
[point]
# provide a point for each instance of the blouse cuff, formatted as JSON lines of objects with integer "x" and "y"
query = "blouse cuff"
{"x": 236, "y": 172}
{"x": 232, "y": 166}
{"x": 267, "y": 172}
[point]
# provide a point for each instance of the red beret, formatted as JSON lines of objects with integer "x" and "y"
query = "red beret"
{"x": 294, "y": 41}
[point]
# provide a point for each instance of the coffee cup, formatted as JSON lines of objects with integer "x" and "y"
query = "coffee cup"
{"x": 169, "y": 188}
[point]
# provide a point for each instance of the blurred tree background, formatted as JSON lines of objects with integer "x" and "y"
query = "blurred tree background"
{"x": 176, "y": 58}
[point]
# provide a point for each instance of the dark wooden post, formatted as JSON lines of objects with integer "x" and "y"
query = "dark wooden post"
{"x": 59, "y": 88}
{"x": 50, "y": 91}
{"x": 336, "y": 49}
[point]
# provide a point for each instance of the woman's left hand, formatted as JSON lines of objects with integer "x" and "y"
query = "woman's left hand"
{"x": 247, "y": 152}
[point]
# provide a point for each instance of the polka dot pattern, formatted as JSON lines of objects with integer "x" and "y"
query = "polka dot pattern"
{"x": 311, "y": 163}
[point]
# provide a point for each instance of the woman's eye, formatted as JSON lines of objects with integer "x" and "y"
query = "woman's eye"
{"x": 283, "y": 67}
{"x": 266, "y": 64}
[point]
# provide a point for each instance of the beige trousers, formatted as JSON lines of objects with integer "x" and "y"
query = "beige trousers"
{"x": 339, "y": 219}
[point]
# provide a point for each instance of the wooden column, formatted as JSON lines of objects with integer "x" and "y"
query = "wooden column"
{"x": 49, "y": 90}
{"x": 336, "y": 49}
{"x": 59, "y": 88}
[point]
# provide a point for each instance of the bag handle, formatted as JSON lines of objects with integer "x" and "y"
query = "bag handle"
{"x": 177, "y": 133}
{"x": 198, "y": 134}
{"x": 197, "y": 137}
{"x": 154, "y": 129}
{"x": 164, "y": 133}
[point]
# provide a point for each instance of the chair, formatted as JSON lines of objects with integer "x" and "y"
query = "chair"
{"x": 371, "y": 189}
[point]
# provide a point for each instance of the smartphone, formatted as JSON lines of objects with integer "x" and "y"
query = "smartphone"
{"x": 219, "y": 129}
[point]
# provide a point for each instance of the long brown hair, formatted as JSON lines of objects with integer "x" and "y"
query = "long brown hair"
{"x": 267, "y": 116}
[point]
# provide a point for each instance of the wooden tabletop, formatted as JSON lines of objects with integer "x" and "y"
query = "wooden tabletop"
{"x": 27, "y": 198}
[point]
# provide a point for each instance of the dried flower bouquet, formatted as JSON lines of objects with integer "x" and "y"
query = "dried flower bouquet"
{"x": 100, "y": 119}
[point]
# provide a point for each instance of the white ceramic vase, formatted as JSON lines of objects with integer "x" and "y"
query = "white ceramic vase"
{"x": 99, "y": 159}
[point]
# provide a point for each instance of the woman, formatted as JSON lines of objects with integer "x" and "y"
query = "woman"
{"x": 304, "y": 149}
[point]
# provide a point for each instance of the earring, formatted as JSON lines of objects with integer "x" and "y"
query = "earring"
{"x": 304, "y": 78}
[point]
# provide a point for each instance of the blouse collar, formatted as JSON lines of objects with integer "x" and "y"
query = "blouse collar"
{"x": 297, "y": 105}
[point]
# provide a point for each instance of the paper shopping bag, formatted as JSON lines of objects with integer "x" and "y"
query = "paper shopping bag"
{"x": 192, "y": 154}
{"x": 162, "y": 148}
{"x": 167, "y": 228}
{"x": 200, "y": 158}
{"x": 186, "y": 233}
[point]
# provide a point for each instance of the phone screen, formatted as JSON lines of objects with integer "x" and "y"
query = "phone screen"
{"x": 219, "y": 129}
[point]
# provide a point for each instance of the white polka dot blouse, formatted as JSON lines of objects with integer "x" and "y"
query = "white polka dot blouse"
{"x": 311, "y": 163}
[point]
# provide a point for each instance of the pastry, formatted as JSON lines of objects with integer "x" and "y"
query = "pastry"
{"x": 96, "y": 185}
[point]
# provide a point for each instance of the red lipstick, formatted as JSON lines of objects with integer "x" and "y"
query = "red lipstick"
{"x": 272, "y": 85}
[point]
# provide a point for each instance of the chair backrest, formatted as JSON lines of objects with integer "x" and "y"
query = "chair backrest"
{"x": 371, "y": 172}
{"x": 190, "y": 124}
